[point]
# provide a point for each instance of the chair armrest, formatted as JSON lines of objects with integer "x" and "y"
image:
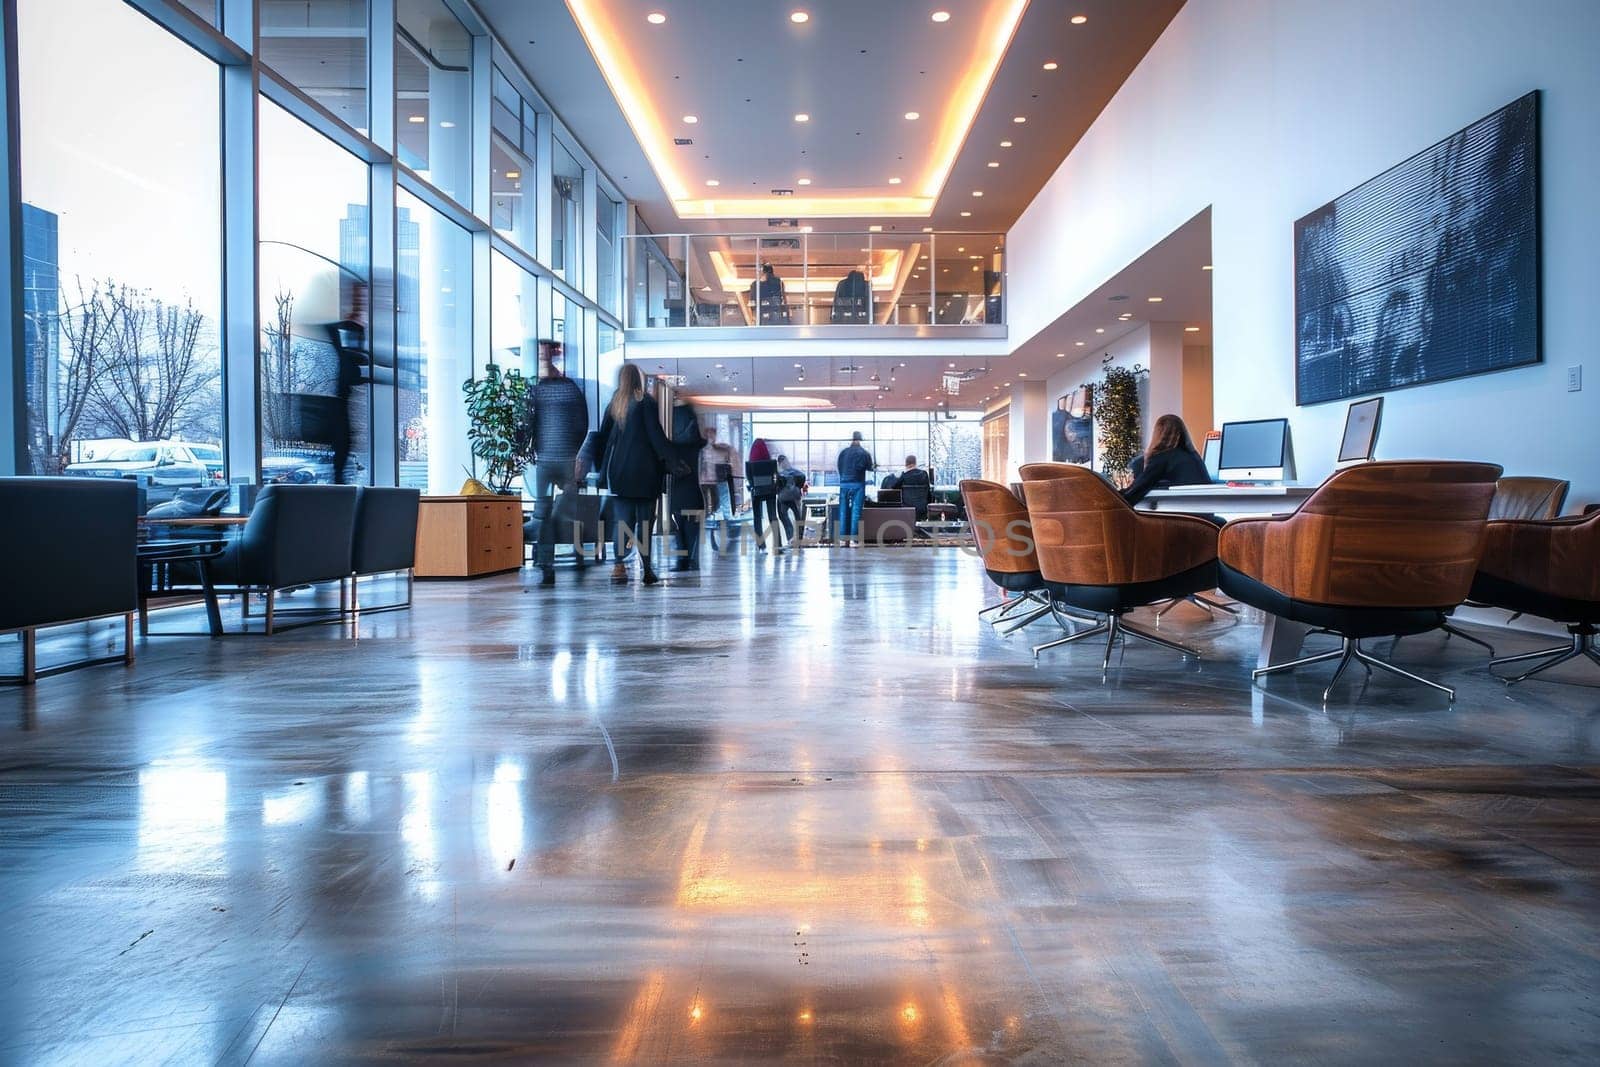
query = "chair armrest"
{"x": 1263, "y": 549}
{"x": 1552, "y": 556}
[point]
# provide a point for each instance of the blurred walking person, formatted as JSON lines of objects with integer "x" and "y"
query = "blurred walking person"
{"x": 633, "y": 454}
{"x": 560, "y": 425}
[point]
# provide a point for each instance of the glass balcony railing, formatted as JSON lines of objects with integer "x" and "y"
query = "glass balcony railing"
{"x": 795, "y": 278}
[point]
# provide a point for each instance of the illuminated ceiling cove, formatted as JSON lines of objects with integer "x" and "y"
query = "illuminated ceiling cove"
{"x": 858, "y": 110}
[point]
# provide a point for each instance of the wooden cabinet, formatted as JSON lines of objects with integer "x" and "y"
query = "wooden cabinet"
{"x": 468, "y": 536}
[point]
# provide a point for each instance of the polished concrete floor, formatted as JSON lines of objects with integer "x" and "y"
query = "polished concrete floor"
{"x": 803, "y": 808}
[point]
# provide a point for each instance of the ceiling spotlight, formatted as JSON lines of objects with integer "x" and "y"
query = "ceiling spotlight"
{"x": 994, "y": 162}
{"x": 691, "y": 119}
{"x": 802, "y": 117}
{"x": 513, "y": 175}
{"x": 798, "y": 17}
{"x": 417, "y": 118}
{"x": 875, "y": 229}
{"x": 712, "y": 182}
{"x": 655, "y": 18}
{"x": 1020, "y": 119}
{"x": 927, "y": 229}
{"x": 1005, "y": 144}
{"x": 966, "y": 214}
{"x": 1206, "y": 267}
{"x": 894, "y": 181}
{"x": 1022, "y": 374}
{"x": 913, "y": 116}
{"x": 1061, "y": 355}
{"x": 1079, "y": 20}
{"x": 802, "y": 181}
{"x": 977, "y": 192}
{"x": 1080, "y": 344}
{"x": 1099, "y": 329}
{"x": 1125, "y": 316}
{"x": 940, "y": 16}
{"x": 1191, "y": 329}
{"x": 1153, "y": 299}
{"x": 1051, "y": 65}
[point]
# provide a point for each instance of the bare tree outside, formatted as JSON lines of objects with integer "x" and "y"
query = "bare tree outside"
{"x": 153, "y": 371}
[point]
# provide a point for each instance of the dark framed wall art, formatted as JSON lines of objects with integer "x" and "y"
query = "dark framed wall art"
{"x": 1427, "y": 272}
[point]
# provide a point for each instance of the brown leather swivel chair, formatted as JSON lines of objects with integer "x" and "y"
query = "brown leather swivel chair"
{"x": 1098, "y": 554}
{"x": 1380, "y": 549}
{"x": 1546, "y": 568}
{"x": 1518, "y": 497}
{"x": 1001, "y": 532}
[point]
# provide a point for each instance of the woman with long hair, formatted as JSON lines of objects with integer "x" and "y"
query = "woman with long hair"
{"x": 634, "y": 454}
{"x": 1171, "y": 459}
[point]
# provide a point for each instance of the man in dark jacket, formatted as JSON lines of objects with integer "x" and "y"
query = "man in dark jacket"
{"x": 916, "y": 488}
{"x": 560, "y": 424}
{"x": 854, "y": 463}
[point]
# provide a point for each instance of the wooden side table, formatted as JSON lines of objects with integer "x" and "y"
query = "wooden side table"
{"x": 468, "y": 536}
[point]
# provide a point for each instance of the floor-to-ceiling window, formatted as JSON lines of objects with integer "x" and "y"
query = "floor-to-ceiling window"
{"x": 433, "y": 95}
{"x": 948, "y": 444}
{"x": 284, "y": 283}
{"x": 121, "y": 210}
{"x": 314, "y": 276}
{"x": 433, "y": 345}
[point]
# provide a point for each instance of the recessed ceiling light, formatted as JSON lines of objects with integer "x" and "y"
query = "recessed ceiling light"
{"x": 894, "y": 181}
{"x": 1061, "y": 355}
{"x": 961, "y": 248}
{"x": 712, "y": 182}
{"x": 940, "y": 16}
{"x": 1051, "y": 65}
{"x": 994, "y": 162}
{"x": 977, "y": 192}
{"x": 875, "y": 229}
{"x": 927, "y": 229}
{"x": 1079, "y": 20}
{"x": 717, "y": 365}
{"x": 1099, "y": 329}
{"x": 1080, "y": 344}
{"x": 417, "y": 118}
{"x": 1022, "y": 374}
{"x": 966, "y": 214}
{"x": 913, "y": 116}
{"x": 1005, "y": 144}
{"x": 1206, "y": 267}
{"x": 802, "y": 181}
{"x": 1008, "y": 383}
{"x": 513, "y": 174}
{"x": 802, "y": 117}
{"x": 1153, "y": 299}
{"x": 1125, "y": 316}
{"x": 655, "y": 18}
{"x": 691, "y": 119}
{"x": 1020, "y": 119}
{"x": 1191, "y": 329}
{"x": 798, "y": 17}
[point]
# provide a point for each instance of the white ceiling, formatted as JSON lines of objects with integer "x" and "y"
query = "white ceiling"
{"x": 856, "y": 68}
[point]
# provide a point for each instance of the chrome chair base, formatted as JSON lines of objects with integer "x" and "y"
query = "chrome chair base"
{"x": 1204, "y": 603}
{"x": 1583, "y": 644}
{"x": 1350, "y": 651}
{"x": 1113, "y": 626}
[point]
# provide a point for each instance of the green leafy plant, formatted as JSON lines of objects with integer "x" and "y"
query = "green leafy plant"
{"x": 501, "y": 433}
{"x": 1116, "y": 410}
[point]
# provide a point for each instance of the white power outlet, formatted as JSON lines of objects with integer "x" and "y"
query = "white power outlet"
{"x": 1575, "y": 379}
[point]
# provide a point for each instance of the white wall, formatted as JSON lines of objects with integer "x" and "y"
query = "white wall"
{"x": 1266, "y": 109}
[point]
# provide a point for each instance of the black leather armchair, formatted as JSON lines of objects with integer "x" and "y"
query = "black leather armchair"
{"x": 297, "y": 535}
{"x": 385, "y": 539}
{"x": 67, "y": 554}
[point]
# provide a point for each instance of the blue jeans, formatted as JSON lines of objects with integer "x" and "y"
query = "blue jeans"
{"x": 851, "y": 494}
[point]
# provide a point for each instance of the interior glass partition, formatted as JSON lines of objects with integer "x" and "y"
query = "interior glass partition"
{"x": 795, "y": 278}
{"x": 121, "y": 246}
{"x": 566, "y": 215}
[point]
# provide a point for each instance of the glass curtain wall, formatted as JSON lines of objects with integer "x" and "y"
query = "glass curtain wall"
{"x": 316, "y": 303}
{"x": 306, "y": 307}
{"x": 121, "y": 246}
{"x": 433, "y": 345}
{"x": 952, "y": 447}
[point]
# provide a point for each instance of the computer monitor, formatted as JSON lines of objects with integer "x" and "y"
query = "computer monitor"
{"x": 1360, "y": 431}
{"x": 1256, "y": 451}
{"x": 1213, "y": 456}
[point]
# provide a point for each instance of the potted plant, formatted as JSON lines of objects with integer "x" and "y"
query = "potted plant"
{"x": 1116, "y": 410}
{"x": 501, "y": 430}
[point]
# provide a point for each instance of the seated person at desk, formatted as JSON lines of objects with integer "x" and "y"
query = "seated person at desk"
{"x": 916, "y": 487}
{"x": 1170, "y": 460}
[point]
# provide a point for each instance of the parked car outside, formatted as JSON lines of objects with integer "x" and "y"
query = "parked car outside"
{"x": 161, "y": 467}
